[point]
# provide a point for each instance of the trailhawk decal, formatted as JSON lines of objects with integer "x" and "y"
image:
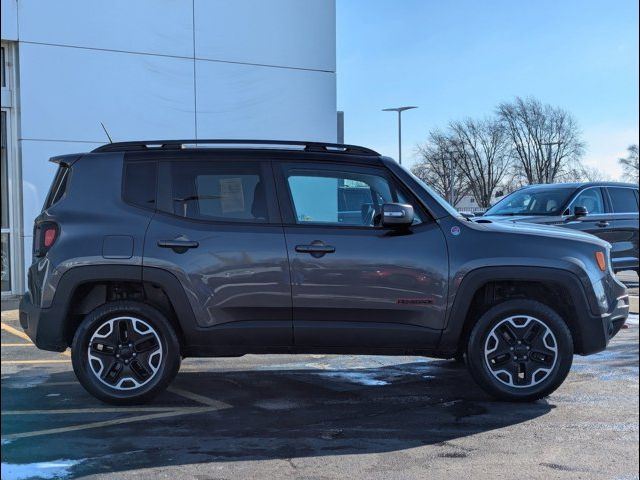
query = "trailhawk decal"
{"x": 415, "y": 301}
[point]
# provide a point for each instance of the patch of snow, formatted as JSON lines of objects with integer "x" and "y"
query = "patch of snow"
{"x": 362, "y": 378}
{"x": 26, "y": 381}
{"x": 610, "y": 364}
{"x": 277, "y": 404}
{"x": 369, "y": 370}
{"x": 632, "y": 319}
{"x": 44, "y": 470}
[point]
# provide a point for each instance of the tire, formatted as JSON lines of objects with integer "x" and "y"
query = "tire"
{"x": 510, "y": 371}
{"x": 122, "y": 373}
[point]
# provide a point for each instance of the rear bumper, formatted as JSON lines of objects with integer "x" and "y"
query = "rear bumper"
{"x": 43, "y": 325}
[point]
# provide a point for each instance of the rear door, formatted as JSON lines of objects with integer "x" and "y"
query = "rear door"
{"x": 218, "y": 231}
{"x": 354, "y": 283}
{"x": 624, "y": 204}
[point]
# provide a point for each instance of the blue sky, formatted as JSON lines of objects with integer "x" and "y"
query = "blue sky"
{"x": 456, "y": 59}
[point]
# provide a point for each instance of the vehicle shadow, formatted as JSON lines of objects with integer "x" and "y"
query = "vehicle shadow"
{"x": 273, "y": 412}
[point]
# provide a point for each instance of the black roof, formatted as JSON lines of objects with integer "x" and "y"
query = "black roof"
{"x": 168, "y": 145}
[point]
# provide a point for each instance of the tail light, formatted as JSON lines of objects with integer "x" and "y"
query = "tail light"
{"x": 45, "y": 237}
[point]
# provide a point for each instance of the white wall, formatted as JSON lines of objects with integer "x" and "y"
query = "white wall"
{"x": 289, "y": 33}
{"x": 153, "y": 69}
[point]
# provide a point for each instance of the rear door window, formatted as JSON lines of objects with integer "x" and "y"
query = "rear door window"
{"x": 623, "y": 200}
{"x": 216, "y": 191}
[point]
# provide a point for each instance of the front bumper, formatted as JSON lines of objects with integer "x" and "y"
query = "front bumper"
{"x": 596, "y": 333}
{"x": 618, "y": 316}
{"x": 43, "y": 325}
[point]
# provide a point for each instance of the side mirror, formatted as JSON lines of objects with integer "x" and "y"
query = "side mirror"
{"x": 580, "y": 211}
{"x": 397, "y": 215}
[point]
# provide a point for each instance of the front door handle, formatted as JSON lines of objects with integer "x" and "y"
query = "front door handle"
{"x": 602, "y": 223}
{"x": 317, "y": 249}
{"x": 178, "y": 245}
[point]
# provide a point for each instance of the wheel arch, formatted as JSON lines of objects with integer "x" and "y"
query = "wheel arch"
{"x": 481, "y": 288}
{"x": 82, "y": 289}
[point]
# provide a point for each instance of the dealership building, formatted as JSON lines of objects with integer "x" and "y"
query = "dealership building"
{"x": 151, "y": 69}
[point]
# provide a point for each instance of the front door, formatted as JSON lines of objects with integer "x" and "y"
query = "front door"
{"x": 218, "y": 231}
{"x": 354, "y": 283}
{"x": 598, "y": 221}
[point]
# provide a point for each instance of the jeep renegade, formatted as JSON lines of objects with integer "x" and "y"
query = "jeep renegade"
{"x": 149, "y": 252}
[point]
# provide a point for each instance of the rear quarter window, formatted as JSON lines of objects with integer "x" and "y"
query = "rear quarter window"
{"x": 58, "y": 187}
{"x": 623, "y": 200}
{"x": 140, "y": 183}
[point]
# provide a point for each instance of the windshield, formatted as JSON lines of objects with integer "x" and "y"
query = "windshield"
{"x": 531, "y": 201}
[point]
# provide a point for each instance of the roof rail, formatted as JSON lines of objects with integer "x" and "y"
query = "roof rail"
{"x": 183, "y": 144}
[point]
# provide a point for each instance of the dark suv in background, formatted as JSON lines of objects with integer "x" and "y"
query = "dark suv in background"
{"x": 149, "y": 252}
{"x": 608, "y": 210}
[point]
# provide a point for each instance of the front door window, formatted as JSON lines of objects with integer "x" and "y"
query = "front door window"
{"x": 348, "y": 199}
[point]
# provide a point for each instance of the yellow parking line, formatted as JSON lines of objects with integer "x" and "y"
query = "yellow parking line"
{"x": 16, "y": 344}
{"x": 24, "y": 336}
{"x": 15, "y": 331}
{"x": 75, "y": 411}
{"x": 198, "y": 398}
{"x": 29, "y": 362}
{"x": 107, "y": 423}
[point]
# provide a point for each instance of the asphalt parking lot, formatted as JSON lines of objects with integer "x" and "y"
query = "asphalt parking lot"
{"x": 319, "y": 416}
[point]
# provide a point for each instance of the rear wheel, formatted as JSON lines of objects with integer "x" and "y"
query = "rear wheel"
{"x": 520, "y": 350}
{"x": 125, "y": 352}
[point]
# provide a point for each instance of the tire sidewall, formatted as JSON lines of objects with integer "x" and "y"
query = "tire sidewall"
{"x": 169, "y": 363}
{"x": 480, "y": 370}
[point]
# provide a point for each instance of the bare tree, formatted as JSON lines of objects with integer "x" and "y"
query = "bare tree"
{"x": 545, "y": 139}
{"x": 439, "y": 167}
{"x": 630, "y": 164}
{"x": 484, "y": 151}
{"x": 585, "y": 173}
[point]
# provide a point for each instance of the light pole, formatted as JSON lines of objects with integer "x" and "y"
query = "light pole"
{"x": 451, "y": 178}
{"x": 399, "y": 110}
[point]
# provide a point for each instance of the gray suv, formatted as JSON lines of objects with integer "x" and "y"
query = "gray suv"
{"x": 149, "y": 252}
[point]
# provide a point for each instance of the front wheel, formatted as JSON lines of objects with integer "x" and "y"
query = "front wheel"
{"x": 520, "y": 350}
{"x": 125, "y": 352}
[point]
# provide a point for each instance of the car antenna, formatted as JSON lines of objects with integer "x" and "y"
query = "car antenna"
{"x": 105, "y": 131}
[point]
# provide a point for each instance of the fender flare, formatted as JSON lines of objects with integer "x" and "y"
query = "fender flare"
{"x": 75, "y": 277}
{"x": 584, "y": 304}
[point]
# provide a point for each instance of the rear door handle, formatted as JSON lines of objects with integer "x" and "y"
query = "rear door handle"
{"x": 316, "y": 249}
{"x": 178, "y": 246}
{"x": 602, "y": 224}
